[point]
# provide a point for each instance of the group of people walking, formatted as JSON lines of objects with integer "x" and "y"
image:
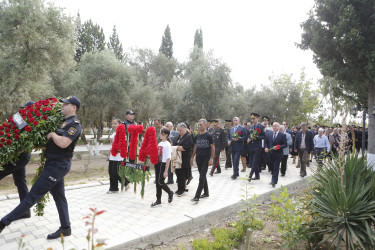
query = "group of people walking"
{"x": 257, "y": 145}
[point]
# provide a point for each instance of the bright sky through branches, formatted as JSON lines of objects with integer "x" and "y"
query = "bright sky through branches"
{"x": 255, "y": 38}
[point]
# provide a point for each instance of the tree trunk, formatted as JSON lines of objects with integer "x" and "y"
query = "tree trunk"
{"x": 371, "y": 126}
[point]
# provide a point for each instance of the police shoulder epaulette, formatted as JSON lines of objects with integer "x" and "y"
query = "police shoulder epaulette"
{"x": 76, "y": 121}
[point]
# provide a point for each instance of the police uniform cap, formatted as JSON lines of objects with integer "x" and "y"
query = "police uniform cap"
{"x": 215, "y": 121}
{"x": 254, "y": 115}
{"x": 265, "y": 117}
{"x": 209, "y": 120}
{"x": 228, "y": 120}
{"x": 129, "y": 112}
{"x": 72, "y": 100}
{"x": 29, "y": 103}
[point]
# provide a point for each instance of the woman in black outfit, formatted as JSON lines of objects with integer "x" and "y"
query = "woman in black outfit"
{"x": 185, "y": 144}
{"x": 293, "y": 153}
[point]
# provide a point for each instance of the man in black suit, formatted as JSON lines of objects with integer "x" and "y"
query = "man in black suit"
{"x": 275, "y": 142}
{"x": 304, "y": 145}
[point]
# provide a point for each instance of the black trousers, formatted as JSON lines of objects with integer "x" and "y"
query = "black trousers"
{"x": 19, "y": 174}
{"x": 216, "y": 163}
{"x": 170, "y": 174}
{"x": 284, "y": 161}
{"x": 114, "y": 177}
{"x": 255, "y": 163}
{"x": 228, "y": 154}
{"x": 159, "y": 179}
{"x": 202, "y": 163}
{"x": 181, "y": 174}
{"x": 320, "y": 154}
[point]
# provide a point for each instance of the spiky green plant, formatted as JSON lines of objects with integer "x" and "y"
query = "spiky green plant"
{"x": 343, "y": 203}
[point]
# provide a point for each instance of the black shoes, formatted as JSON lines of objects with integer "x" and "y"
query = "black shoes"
{"x": 218, "y": 172}
{"x": 2, "y": 226}
{"x": 170, "y": 182}
{"x": 180, "y": 193}
{"x": 302, "y": 175}
{"x": 170, "y": 197}
{"x": 233, "y": 177}
{"x": 156, "y": 203}
{"x": 24, "y": 216}
{"x": 204, "y": 196}
{"x": 211, "y": 174}
{"x": 273, "y": 184}
{"x": 282, "y": 175}
{"x": 57, "y": 234}
{"x": 195, "y": 200}
{"x": 253, "y": 179}
{"x": 243, "y": 170}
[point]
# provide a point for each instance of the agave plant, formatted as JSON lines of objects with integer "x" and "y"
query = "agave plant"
{"x": 343, "y": 203}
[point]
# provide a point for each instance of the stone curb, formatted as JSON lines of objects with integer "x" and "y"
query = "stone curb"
{"x": 195, "y": 224}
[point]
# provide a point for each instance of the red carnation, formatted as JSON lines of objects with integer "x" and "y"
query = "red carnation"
{"x": 17, "y": 137}
{"x": 149, "y": 146}
{"x": 7, "y": 131}
{"x": 8, "y": 135}
{"x": 8, "y": 142}
{"x": 10, "y": 119}
{"x": 44, "y": 109}
{"x": 1, "y": 145}
{"x": 37, "y": 113}
{"x": 2, "y": 139}
{"x": 35, "y": 123}
{"x": 16, "y": 131}
{"x": 28, "y": 129}
{"x": 49, "y": 109}
{"x": 258, "y": 130}
{"x": 278, "y": 147}
{"x": 239, "y": 132}
{"x": 1, "y": 127}
{"x": 1, "y": 133}
{"x": 134, "y": 130}
{"x": 31, "y": 119}
{"x": 14, "y": 127}
{"x": 30, "y": 115}
{"x": 38, "y": 107}
{"x": 44, "y": 117}
{"x": 119, "y": 144}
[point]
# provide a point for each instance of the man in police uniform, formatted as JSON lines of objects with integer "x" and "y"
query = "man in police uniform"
{"x": 58, "y": 153}
{"x": 255, "y": 146}
{"x": 220, "y": 140}
{"x": 18, "y": 171}
{"x": 228, "y": 152}
{"x": 265, "y": 158}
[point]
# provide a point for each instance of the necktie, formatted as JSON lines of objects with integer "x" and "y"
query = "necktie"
{"x": 274, "y": 136}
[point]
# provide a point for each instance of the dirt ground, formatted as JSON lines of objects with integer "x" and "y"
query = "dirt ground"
{"x": 267, "y": 238}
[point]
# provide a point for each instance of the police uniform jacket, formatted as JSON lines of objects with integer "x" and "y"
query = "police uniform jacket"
{"x": 256, "y": 144}
{"x": 70, "y": 128}
{"x": 220, "y": 139}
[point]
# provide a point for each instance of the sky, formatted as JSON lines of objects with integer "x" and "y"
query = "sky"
{"x": 256, "y": 39}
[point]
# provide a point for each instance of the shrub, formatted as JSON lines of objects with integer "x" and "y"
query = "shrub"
{"x": 343, "y": 203}
{"x": 293, "y": 218}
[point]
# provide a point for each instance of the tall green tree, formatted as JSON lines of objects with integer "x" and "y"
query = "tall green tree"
{"x": 341, "y": 35}
{"x": 198, "y": 38}
{"x": 102, "y": 83}
{"x": 115, "y": 45}
{"x": 34, "y": 41}
{"x": 90, "y": 38}
{"x": 166, "y": 46}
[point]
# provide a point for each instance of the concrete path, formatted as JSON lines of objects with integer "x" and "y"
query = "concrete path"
{"x": 129, "y": 220}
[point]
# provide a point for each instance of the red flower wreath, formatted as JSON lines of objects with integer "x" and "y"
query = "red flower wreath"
{"x": 149, "y": 146}
{"x": 134, "y": 131}
{"x": 119, "y": 144}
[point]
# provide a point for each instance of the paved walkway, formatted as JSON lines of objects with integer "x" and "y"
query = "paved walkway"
{"x": 128, "y": 217}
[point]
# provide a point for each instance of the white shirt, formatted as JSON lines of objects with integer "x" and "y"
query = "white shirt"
{"x": 164, "y": 151}
{"x": 111, "y": 157}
